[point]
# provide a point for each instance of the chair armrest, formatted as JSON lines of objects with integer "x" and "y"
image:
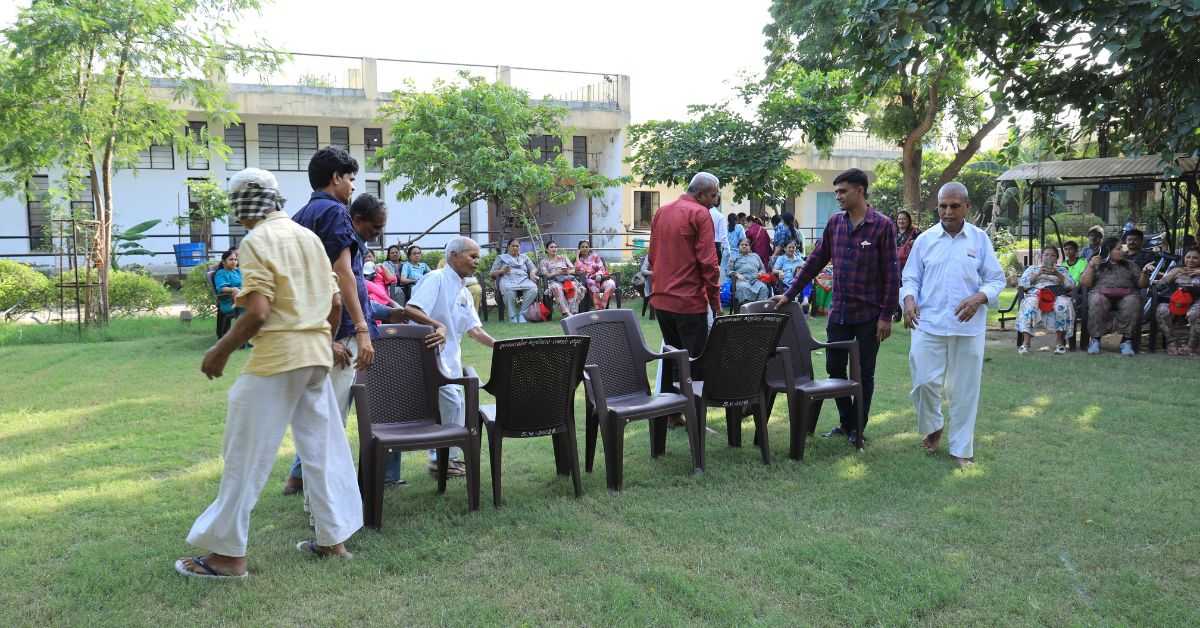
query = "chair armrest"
{"x": 785, "y": 355}
{"x": 683, "y": 363}
{"x": 846, "y": 345}
{"x": 593, "y": 387}
{"x": 470, "y": 384}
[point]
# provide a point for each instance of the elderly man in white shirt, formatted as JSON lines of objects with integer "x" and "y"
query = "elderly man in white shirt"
{"x": 441, "y": 299}
{"x": 952, "y": 275}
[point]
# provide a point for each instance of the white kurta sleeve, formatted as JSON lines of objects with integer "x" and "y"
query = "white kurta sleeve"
{"x": 914, "y": 269}
{"x": 991, "y": 274}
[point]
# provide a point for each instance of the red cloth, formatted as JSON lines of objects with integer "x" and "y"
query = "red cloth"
{"x": 760, "y": 243}
{"x": 683, "y": 258}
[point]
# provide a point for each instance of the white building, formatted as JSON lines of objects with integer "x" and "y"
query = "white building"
{"x": 284, "y": 121}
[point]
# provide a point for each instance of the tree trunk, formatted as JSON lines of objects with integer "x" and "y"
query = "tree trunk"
{"x": 963, "y": 156}
{"x": 910, "y": 169}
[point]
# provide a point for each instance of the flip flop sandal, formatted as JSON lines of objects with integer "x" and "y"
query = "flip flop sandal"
{"x": 310, "y": 547}
{"x": 208, "y": 572}
{"x": 930, "y": 442}
{"x": 452, "y": 470}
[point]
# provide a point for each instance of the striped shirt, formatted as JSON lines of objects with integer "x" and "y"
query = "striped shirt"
{"x": 864, "y": 268}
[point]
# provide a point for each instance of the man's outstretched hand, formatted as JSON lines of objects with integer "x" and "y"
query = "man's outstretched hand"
{"x": 779, "y": 301}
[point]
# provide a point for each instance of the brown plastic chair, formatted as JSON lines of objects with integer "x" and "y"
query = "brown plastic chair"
{"x": 614, "y": 379}
{"x": 734, "y": 367}
{"x": 792, "y": 374}
{"x": 397, "y": 405}
{"x": 534, "y": 382}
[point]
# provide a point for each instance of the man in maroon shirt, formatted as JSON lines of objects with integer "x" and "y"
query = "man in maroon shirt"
{"x": 861, "y": 242}
{"x": 685, "y": 268}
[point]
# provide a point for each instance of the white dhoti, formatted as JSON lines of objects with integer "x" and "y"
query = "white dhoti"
{"x": 953, "y": 364}
{"x": 260, "y": 410}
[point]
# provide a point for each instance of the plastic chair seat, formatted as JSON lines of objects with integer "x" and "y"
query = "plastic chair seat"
{"x": 643, "y": 406}
{"x": 418, "y": 434}
{"x": 830, "y": 387}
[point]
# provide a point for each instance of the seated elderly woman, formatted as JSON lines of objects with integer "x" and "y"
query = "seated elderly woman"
{"x": 745, "y": 268}
{"x": 411, "y": 270}
{"x": 561, "y": 283}
{"x": 1113, "y": 298}
{"x": 1047, "y": 301}
{"x": 516, "y": 281}
{"x": 1179, "y": 317}
{"x": 590, "y": 266}
{"x": 787, "y": 265}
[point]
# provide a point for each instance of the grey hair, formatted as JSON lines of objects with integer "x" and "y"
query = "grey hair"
{"x": 954, "y": 188}
{"x": 458, "y": 244}
{"x": 702, "y": 181}
{"x": 244, "y": 178}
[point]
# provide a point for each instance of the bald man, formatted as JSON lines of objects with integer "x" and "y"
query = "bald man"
{"x": 685, "y": 263}
{"x": 951, "y": 276}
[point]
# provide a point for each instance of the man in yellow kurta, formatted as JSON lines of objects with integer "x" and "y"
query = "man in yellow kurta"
{"x": 291, "y": 302}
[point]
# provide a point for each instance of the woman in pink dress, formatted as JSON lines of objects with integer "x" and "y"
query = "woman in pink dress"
{"x": 590, "y": 265}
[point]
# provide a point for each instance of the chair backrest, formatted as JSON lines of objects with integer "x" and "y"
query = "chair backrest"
{"x": 617, "y": 348}
{"x": 212, "y": 280}
{"x": 402, "y": 383}
{"x": 534, "y": 382}
{"x": 795, "y": 337}
{"x": 734, "y": 362}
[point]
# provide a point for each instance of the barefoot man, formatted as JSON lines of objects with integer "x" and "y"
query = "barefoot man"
{"x": 292, "y": 302}
{"x": 951, "y": 276}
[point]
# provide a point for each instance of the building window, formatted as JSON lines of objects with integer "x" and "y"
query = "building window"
{"x": 339, "y": 136}
{"x": 372, "y": 141}
{"x": 83, "y": 203}
{"x": 37, "y": 193}
{"x": 236, "y": 232}
{"x": 579, "y": 156}
{"x": 465, "y": 226}
{"x": 826, "y": 207}
{"x": 286, "y": 147}
{"x": 374, "y": 188}
{"x": 547, "y": 146}
{"x": 199, "y": 230}
{"x": 157, "y": 157}
{"x": 644, "y": 204}
{"x": 235, "y": 139}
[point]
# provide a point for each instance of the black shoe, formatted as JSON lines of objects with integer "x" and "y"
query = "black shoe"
{"x": 852, "y": 436}
{"x": 837, "y": 431}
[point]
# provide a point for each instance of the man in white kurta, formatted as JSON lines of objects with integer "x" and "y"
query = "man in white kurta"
{"x": 952, "y": 275}
{"x": 441, "y": 300}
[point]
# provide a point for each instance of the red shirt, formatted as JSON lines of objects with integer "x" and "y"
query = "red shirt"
{"x": 760, "y": 243}
{"x": 684, "y": 259}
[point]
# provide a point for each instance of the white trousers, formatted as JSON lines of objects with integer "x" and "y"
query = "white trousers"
{"x": 452, "y": 403}
{"x": 947, "y": 366}
{"x": 260, "y": 410}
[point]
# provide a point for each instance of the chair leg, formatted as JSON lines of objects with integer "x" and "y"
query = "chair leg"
{"x": 815, "y": 416}
{"x": 495, "y": 449}
{"x": 471, "y": 453}
{"x": 733, "y": 427}
{"x": 562, "y": 465}
{"x": 573, "y": 454}
{"x": 770, "y": 406}
{"x": 699, "y": 418}
{"x": 377, "y": 471}
{"x": 761, "y": 416}
{"x": 798, "y": 418}
{"x": 591, "y": 426}
{"x": 364, "y": 486}
{"x": 658, "y": 436}
{"x": 443, "y": 465}
{"x": 614, "y": 454}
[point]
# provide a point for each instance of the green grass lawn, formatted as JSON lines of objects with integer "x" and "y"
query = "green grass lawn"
{"x": 1082, "y": 509}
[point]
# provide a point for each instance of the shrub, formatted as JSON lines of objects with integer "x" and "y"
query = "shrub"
{"x": 22, "y": 289}
{"x": 624, "y": 272}
{"x": 1074, "y": 224}
{"x": 433, "y": 257}
{"x": 133, "y": 292}
{"x": 197, "y": 293}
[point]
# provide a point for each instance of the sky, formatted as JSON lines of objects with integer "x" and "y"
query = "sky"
{"x": 676, "y": 52}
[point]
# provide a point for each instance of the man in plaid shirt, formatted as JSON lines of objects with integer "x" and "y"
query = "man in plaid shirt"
{"x": 861, "y": 242}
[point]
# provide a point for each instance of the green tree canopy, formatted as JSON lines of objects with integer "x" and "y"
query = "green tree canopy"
{"x": 471, "y": 142}
{"x": 76, "y": 92}
{"x": 744, "y": 153}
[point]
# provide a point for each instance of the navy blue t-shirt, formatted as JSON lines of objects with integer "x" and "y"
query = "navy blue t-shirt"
{"x": 327, "y": 217}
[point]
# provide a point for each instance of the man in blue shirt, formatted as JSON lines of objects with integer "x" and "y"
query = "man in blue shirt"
{"x": 331, "y": 172}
